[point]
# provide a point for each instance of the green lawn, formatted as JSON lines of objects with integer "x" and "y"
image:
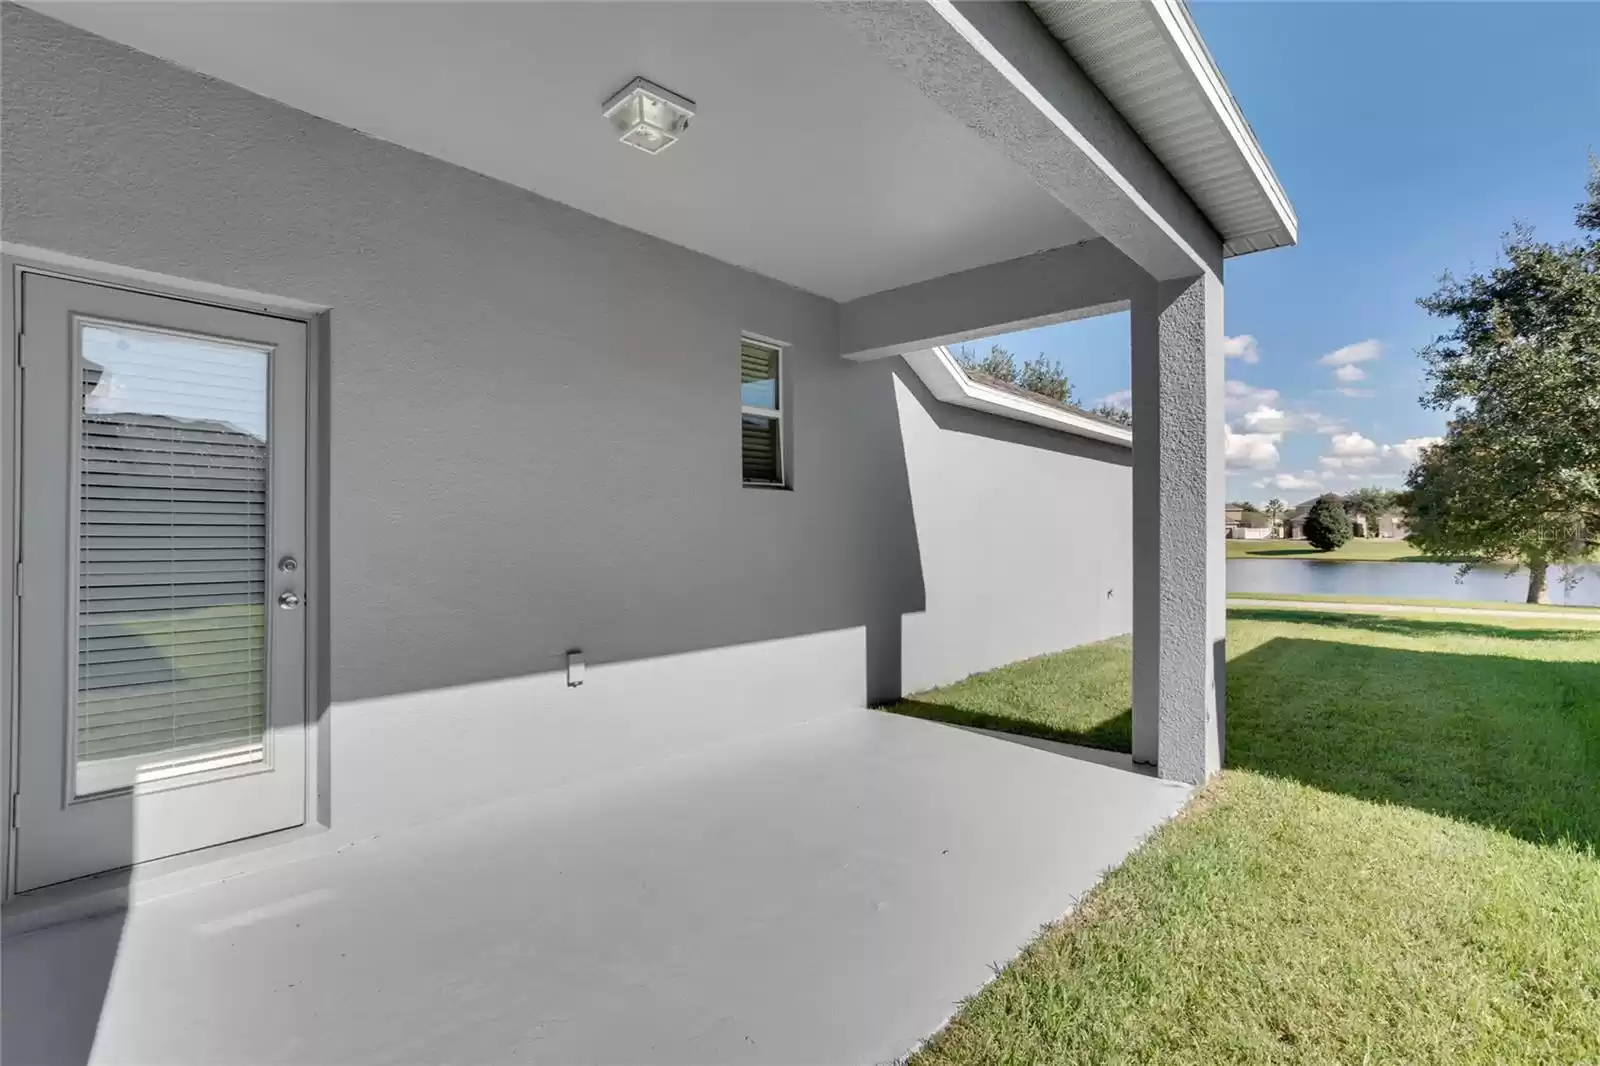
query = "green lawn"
{"x": 1374, "y": 550}
{"x": 1401, "y": 864}
{"x": 1496, "y": 605}
{"x": 1081, "y": 697}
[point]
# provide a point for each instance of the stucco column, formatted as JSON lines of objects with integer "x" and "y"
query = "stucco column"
{"x": 1179, "y": 558}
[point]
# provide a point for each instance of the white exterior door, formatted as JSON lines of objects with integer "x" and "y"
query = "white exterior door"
{"x": 162, "y": 632}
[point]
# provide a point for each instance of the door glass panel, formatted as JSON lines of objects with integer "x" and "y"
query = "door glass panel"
{"x": 171, "y": 486}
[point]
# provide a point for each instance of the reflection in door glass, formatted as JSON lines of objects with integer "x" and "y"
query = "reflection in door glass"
{"x": 172, "y": 539}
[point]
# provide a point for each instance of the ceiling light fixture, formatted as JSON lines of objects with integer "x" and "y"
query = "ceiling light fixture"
{"x": 648, "y": 117}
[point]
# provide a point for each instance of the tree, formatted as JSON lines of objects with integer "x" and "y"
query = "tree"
{"x": 998, "y": 364}
{"x": 1120, "y": 415}
{"x": 1045, "y": 378}
{"x": 1041, "y": 376}
{"x": 1518, "y": 474}
{"x": 1470, "y": 497}
{"x": 1327, "y": 524}
{"x": 1245, "y": 506}
{"x": 1370, "y": 504}
{"x": 1275, "y": 510}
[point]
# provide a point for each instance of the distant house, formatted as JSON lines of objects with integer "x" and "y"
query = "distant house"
{"x": 1295, "y": 521}
{"x": 1391, "y": 526}
{"x": 1246, "y": 525}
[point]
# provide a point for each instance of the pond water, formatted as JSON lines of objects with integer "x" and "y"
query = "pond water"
{"x": 1432, "y": 581}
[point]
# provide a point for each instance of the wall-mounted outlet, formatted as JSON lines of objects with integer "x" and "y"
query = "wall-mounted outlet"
{"x": 574, "y": 668}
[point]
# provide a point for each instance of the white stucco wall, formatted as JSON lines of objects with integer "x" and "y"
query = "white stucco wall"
{"x": 531, "y": 445}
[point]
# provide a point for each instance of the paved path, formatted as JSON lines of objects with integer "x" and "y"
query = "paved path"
{"x": 1405, "y": 608}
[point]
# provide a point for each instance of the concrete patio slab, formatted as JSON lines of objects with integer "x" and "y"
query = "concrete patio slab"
{"x": 824, "y": 893}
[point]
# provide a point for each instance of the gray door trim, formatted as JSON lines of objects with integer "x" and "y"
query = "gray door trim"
{"x": 15, "y": 260}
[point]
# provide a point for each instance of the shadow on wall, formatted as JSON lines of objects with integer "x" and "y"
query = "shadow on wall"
{"x": 1507, "y": 743}
{"x": 1025, "y": 534}
{"x": 699, "y": 563}
{"x": 632, "y": 568}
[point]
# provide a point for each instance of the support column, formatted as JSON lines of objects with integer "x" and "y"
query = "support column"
{"x": 1179, "y": 557}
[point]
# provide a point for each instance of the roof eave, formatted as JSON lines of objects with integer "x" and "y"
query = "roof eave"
{"x": 1174, "y": 18}
{"x": 1151, "y": 65}
{"x": 944, "y": 378}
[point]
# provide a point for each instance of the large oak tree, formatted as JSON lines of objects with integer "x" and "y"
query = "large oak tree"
{"x": 1518, "y": 473}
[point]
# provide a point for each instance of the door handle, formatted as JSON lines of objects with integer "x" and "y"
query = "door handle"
{"x": 288, "y": 600}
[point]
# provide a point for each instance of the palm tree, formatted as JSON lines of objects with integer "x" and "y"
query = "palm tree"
{"x": 1275, "y": 510}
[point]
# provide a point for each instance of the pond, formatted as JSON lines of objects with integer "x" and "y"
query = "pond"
{"x": 1430, "y": 581}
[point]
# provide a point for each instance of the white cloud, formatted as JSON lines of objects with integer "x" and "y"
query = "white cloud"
{"x": 1344, "y": 360}
{"x": 1359, "y": 458}
{"x": 1354, "y": 392}
{"x": 1265, "y": 418}
{"x": 1122, "y": 398}
{"x": 1242, "y": 348}
{"x": 1260, "y": 425}
{"x": 1241, "y": 397}
{"x": 1305, "y": 481}
{"x": 1325, "y": 426}
{"x": 1410, "y": 449}
{"x": 1351, "y": 462}
{"x": 1353, "y": 443}
{"x": 1359, "y": 352}
{"x": 1251, "y": 451}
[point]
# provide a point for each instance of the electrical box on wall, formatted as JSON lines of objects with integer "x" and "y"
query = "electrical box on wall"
{"x": 574, "y": 669}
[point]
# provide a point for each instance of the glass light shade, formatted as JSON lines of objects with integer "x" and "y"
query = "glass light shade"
{"x": 648, "y": 117}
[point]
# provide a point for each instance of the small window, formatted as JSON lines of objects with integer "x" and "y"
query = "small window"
{"x": 761, "y": 413}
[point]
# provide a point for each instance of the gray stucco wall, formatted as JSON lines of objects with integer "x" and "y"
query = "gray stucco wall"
{"x": 1025, "y": 536}
{"x": 531, "y": 422}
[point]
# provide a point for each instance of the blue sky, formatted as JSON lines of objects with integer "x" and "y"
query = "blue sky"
{"x": 1409, "y": 137}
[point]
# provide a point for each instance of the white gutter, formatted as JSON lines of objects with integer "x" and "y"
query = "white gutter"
{"x": 1174, "y": 18}
{"x": 948, "y": 382}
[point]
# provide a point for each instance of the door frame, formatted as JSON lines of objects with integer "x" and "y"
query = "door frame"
{"x": 17, "y": 260}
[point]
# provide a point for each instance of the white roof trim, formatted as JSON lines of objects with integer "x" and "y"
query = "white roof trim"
{"x": 1150, "y": 61}
{"x": 1175, "y": 18}
{"x": 948, "y": 382}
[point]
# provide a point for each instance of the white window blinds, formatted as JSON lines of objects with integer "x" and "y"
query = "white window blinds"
{"x": 172, "y": 540}
{"x": 761, "y": 425}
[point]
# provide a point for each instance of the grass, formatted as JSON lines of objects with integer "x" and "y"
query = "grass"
{"x": 1356, "y": 550}
{"x": 1080, "y": 697}
{"x": 1400, "y": 865}
{"x": 1408, "y": 601}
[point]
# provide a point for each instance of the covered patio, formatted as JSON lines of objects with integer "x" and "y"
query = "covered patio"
{"x": 825, "y": 893}
{"x": 566, "y": 754}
